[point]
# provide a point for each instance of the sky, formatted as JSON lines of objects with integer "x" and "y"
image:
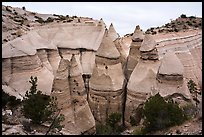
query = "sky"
{"x": 124, "y": 15}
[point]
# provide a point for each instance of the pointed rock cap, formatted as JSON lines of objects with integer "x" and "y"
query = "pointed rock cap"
{"x": 138, "y": 34}
{"x": 148, "y": 43}
{"x": 107, "y": 48}
{"x": 62, "y": 71}
{"x": 171, "y": 65}
{"x": 74, "y": 67}
{"x": 101, "y": 22}
{"x": 113, "y": 34}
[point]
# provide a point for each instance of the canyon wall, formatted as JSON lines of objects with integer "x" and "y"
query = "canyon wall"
{"x": 87, "y": 68}
{"x": 166, "y": 65}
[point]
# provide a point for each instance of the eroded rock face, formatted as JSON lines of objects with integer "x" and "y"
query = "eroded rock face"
{"x": 170, "y": 68}
{"x": 43, "y": 55}
{"x": 21, "y": 68}
{"x": 120, "y": 47}
{"x": 165, "y": 74}
{"x": 142, "y": 81}
{"x": 138, "y": 35}
{"x": 187, "y": 47}
{"x": 38, "y": 53}
{"x": 59, "y": 54}
{"x": 106, "y": 83}
{"x": 112, "y": 32}
{"x": 6, "y": 70}
{"x": 59, "y": 63}
{"x": 148, "y": 48}
{"x": 134, "y": 53}
{"x": 68, "y": 87}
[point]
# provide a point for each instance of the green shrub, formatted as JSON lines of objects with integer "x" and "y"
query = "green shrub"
{"x": 192, "y": 86}
{"x": 199, "y": 24}
{"x": 183, "y": 16}
{"x": 160, "y": 114}
{"x": 5, "y": 99}
{"x": 37, "y": 106}
{"x": 7, "y": 8}
{"x": 49, "y": 19}
{"x": 192, "y": 17}
{"x": 74, "y": 16}
{"x": 23, "y": 8}
{"x": 133, "y": 121}
{"x": 189, "y": 110}
{"x": 61, "y": 17}
{"x": 39, "y": 19}
{"x": 176, "y": 30}
{"x": 139, "y": 131}
{"x": 196, "y": 26}
{"x": 113, "y": 119}
{"x": 160, "y": 30}
{"x": 102, "y": 129}
{"x": 154, "y": 32}
{"x": 136, "y": 115}
{"x": 189, "y": 23}
{"x": 112, "y": 126}
{"x": 10, "y": 101}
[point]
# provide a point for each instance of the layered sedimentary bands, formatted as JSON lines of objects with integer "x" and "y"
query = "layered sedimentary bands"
{"x": 58, "y": 55}
{"x": 107, "y": 99}
{"x": 165, "y": 66}
{"x": 86, "y": 67}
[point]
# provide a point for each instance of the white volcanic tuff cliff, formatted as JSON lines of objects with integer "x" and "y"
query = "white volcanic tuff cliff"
{"x": 107, "y": 48}
{"x": 138, "y": 34}
{"x": 106, "y": 83}
{"x": 188, "y": 47}
{"x": 76, "y": 80}
{"x": 79, "y": 35}
{"x": 22, "y": 62}
{"x": 112, "y": 32}
{"x": 148, "y": 43}
{"x": 28, "y": 53}
{"x": 54, "y": 36}
{"x": 171, "y": 65}
{"x": 134, "y": 53}
{"x": 88, "y": 61}
{"x": 43, "y": 55}
{"x": 148, "y": 48}
{"x": 45, "y": 52}
{"x": 68, "y": 87}
{"x": 120, "y": 47}
{"x": 167, "y": 75}
{"x": 179, "y": 42}
{"x": 171, "y": 77}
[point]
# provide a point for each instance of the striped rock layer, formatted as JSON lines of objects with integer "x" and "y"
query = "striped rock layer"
{"x": 106, "y": 83}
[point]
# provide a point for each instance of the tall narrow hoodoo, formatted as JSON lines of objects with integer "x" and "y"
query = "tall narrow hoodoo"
{"x": 106, "y": 83}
